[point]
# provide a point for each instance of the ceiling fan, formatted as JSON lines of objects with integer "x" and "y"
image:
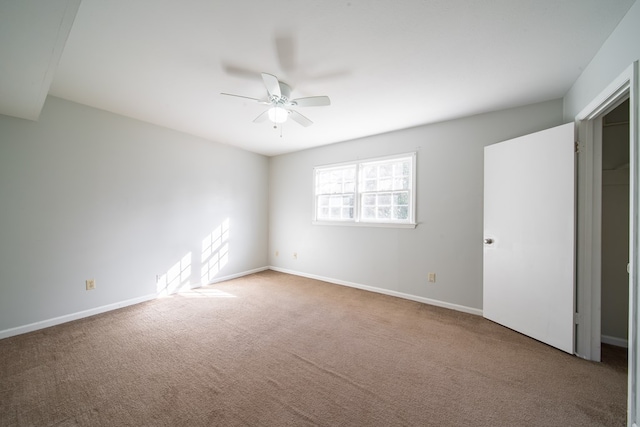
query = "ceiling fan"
{"x": 280, "y": 102}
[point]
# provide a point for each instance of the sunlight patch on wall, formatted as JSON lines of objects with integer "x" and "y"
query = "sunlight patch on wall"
{"x": 176, "y": 278}
{"x": 215, "y": 252}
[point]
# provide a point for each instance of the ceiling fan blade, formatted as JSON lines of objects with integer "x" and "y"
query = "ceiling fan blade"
{"x": 262, "y": 117}
{"x": 272, "y": 84}
{"x": 286, "y": 50}
{"x": 311, "y": 101}
{"x": 240, "y": 71}
{"x": 297, "y": 117}
{"x": 242, "y": 96}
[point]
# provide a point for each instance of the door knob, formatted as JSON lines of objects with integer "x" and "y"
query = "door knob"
{"x": 488, "y": 241}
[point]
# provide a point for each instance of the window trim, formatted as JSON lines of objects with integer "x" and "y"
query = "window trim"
{"x": 356, "y": 222}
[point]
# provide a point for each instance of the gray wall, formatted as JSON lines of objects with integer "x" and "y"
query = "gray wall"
{"x": 89, "y": 194}
{"x": 620, "y": 50}
{"x": 448, "y": 239}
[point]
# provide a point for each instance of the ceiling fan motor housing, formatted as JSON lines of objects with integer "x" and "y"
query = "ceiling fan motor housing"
{"x": 285, "y": 93}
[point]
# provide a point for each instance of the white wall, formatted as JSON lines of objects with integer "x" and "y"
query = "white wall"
{"x": 448, "y": 239}
{"x": 89, "y": 194}
{"x": 620, "y": 50}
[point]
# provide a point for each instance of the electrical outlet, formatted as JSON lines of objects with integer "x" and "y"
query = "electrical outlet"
{"x": 91, "y": 284}
{"x": 432, "y": 277}
{"x": 295, "y": 255}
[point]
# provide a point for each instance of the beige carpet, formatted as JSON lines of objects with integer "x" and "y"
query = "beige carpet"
{"x": 272, "y": 349}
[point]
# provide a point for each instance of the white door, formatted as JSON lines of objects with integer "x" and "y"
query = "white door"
{"x": 529, "y": 231}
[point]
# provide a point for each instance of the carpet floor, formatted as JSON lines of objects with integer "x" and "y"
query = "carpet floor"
{"x": 271, "y": 349}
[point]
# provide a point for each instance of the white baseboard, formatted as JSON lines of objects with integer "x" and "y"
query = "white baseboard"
{"x": 424, "y": 300}
{"x": 103, "y": 309}
{"x": 73, "y": 316}
{"x": 618, "y": 342}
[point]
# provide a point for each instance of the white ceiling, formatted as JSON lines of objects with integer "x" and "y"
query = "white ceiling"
{"x": 385, "y": 64}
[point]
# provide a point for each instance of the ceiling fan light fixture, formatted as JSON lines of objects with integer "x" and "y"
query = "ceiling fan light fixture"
{"x": 278, "y": 114}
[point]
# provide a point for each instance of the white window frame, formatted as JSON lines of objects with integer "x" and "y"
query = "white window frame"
{"x": 357, "y": 221}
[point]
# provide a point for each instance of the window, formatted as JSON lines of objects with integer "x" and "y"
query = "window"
{"x": 373, "y": 192}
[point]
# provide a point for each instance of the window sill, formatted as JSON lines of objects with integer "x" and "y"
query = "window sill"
{"x": 366, "y": 224}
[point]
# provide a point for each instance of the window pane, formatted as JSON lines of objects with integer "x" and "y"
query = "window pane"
{"x": 384, "y": 199}
{"x": 401, "y": 198}
{"x": 369, "y": 213}
{"x": 384, "y": 213}
{"x": 371, "y": 171}
{"x": 400, "y": 183}
{"x": 350, "y": 173}
{"x": 385, "y": 170}
{"x": 324, "y": 177}
{"x": 325, "y": 188}
{"x": 401, "y": 169}
{"x": 401, "y": 212}
{"x": 369, "y": 199}
{"x": 385, "y": 184}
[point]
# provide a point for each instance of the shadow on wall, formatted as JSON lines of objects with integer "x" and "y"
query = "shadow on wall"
{"x": 214, "y": 256}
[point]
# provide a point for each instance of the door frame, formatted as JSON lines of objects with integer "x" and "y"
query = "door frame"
{"x": 588, "y": 233}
